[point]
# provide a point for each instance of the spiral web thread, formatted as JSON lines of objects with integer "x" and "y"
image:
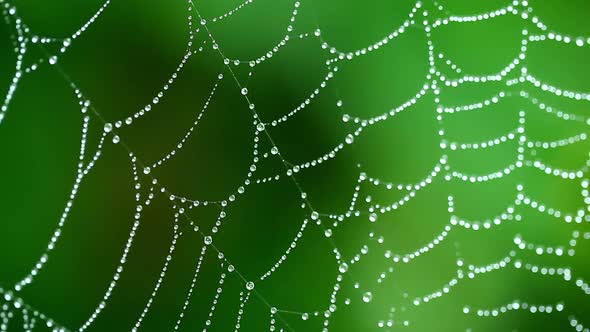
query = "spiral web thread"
{"x": 519, "y": 83}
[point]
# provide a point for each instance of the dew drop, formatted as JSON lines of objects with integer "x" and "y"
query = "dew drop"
{"x": 244, "y": 91}
{"x": 367, "y": 297}
{"x": 147, "y": 170}
{"x": 208, "y": 240}
{"x": 249, "y": 285}
{"x": 343, "y": 267}
{"x": 373, "y": 217}
{"x": 108, "y": 127}
{"x": 349, "y": 139}
{"x": 116, "y": 139}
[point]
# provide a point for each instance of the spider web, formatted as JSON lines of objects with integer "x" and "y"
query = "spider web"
{"x": 374, "y": 200}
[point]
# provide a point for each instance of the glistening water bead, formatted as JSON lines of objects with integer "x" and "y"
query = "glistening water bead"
{"x": 373, "y": 217}
{"x": 249, "y": 285}
{"x": 367, "y": 297}
{"x": 349, "y": 139}
{"x": 343, "y": 267}
{"x": 108, "y": 127}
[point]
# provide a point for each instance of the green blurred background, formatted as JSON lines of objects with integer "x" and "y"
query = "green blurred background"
{"x": 125, "y": 57}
